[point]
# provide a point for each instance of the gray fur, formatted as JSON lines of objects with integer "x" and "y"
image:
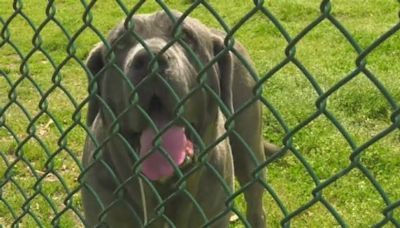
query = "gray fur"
{"x": 114, "y": 164}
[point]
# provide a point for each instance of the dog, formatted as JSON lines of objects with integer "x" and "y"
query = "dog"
{"x": 159, "y": 153}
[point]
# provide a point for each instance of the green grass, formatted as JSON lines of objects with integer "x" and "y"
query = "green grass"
{"x": 29, "y": 137}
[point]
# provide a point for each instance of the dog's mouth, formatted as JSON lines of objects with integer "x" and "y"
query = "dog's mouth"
{"x": 171, "y": 147}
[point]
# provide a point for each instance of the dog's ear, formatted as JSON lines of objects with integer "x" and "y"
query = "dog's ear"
{"x": 225, "y": 65}
{"x": 94, "y": 63}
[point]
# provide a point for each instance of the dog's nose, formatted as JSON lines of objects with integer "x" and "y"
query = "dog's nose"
{"x": 142, "y": 63}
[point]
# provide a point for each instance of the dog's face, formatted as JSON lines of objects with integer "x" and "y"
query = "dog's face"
{"x": 150, "y": 72}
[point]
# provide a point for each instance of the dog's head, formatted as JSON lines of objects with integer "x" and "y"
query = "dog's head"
{"x": 151, "y": 71}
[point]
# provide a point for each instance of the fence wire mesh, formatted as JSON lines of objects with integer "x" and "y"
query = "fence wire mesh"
{"x": 327, "y": 76}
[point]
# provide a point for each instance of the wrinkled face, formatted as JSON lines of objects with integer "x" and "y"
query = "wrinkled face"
{"x": 149, "y": 74}
{"x": 159, "y": 80}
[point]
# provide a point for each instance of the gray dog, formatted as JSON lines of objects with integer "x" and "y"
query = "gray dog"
{"x": 140, "y": 172}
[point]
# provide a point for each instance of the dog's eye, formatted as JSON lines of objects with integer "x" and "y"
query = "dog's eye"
{"x": 188, "y": 37}
{"x": 122, "y": 42}
{"x": 120, "y": 46}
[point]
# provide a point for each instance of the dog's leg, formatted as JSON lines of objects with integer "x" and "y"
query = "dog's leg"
{"x": 244, "y": 167}
{"x": 246, "y": 162}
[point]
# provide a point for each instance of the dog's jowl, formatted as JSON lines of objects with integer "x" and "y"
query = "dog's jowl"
{"x": 159, "y": 154}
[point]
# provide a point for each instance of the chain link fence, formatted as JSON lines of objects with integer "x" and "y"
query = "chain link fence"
{"x": 330, "y": 77}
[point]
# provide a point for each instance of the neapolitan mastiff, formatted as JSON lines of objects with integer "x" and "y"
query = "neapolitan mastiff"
{"x": 140, "y": 171}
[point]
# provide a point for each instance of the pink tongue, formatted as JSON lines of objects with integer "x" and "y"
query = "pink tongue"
{"x": 174, "y": 142}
